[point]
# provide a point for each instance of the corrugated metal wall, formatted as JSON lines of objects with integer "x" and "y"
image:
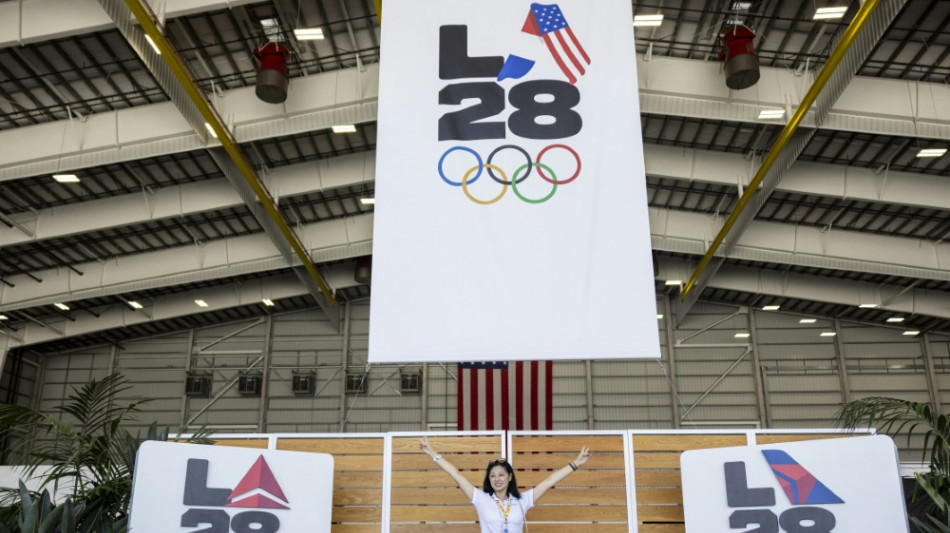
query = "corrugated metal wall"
{"x": 784, "y": 374}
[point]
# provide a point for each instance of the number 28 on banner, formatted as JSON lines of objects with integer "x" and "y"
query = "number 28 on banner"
{"x": 540, "y": 109}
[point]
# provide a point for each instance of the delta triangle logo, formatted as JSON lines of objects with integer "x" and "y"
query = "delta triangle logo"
{"x": 258, "y": 489}
{"x": 800, "y": 485}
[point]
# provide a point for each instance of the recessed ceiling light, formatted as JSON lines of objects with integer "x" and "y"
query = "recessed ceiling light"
{"x": 895, "y": 319}
{"x": 741, "y": 6}
{"x": 368, "y": 201}
{"x": 932, "y": 152}
{"x": 344, "y": 128}
{"x": 66, "y": 178}
{"x": 808, "y": 320}
{"x": 309, "y": 34}
{"x": 135, "y": 305}
{"x": 4, "y": 317}
{"x": 827, "y": 334}
{"x": 833, "y": 12}
{"x": 201, "y": 303}
{"x": 672, "y": 282}
{"x": 911, "y": 333}
{"x": 268, "y": 302}
{"x": 647, "y": 20}
{"x": 771, "y": 114}
{"x": 659, "y": 317}
{"x": 771, "y": 307}
{"x": 867, "y": 306}
{"x": 61, "y": 307}
{"x": 742, "y": 335}
{"x": 151, "y": 43}
{"x": 211, "y": 130}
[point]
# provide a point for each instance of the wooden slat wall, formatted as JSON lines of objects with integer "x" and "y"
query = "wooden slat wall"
{"x": 424, "y": 498}
{"x": 357, "y": 479}
{"x": 659, "y": 491}
{"x": 593, "y": 499}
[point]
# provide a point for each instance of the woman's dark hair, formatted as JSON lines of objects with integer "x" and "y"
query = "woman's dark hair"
{"x": 512, "y": 483}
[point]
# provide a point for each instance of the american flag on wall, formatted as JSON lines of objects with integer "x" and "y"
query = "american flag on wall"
{"x": 507, "y": 396}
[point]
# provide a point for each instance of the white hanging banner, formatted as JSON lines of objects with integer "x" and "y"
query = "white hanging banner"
{"x": 511, "y": 214}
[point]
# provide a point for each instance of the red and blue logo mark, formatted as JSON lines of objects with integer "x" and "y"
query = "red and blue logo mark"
{"x": 537, "y": 109}
{"x": 259, "y": 488}
{"x": 800, "y": 485}
{"x": 258, "y": 491}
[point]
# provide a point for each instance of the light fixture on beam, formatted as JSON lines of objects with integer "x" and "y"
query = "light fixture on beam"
{"x": 673, "y": 282}
{"x": 771, "y": 307}
{"x": 201, "y": 303}
{"x": 4, "y": 317}
{"x": 151, "y": 43}
{"x": 832, "y": 12}
{"x": 895, "y": 320}
{"x": 309, "y": 34}
{"x": 66, "y": 178}
{"x": 932, "y": 152}
{"x": 211, "y": 130}
{"x": 659, "y": 317}
{"x": 827, "y": 334}
{"x": 807, "y": 320}
{"x": 911, "y": 333}
{"x": 134, "y": 305}
{"x": 742, "y": 335}
{"x": 268, "y": 302}
{"x": 867, "y": 306}
{"x": 640, "y": 21}
{"x": 771, "y": 114}
{"x": 368, "y": 200}
{"x": 344, "y": 128}
{"x": 61, "y": 306}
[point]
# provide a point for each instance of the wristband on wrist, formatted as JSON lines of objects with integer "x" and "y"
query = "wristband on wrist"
{"x": 572, "y": 465}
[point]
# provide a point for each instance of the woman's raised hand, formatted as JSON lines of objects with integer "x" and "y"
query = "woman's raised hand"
{"x": 583, "y": 456}
{"x": 426, "y": 449}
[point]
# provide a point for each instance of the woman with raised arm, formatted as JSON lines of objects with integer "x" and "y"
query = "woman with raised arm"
{"x": 500, "y": 505}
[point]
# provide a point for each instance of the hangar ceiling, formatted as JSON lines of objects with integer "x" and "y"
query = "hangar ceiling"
{"x": 854, "y": 229}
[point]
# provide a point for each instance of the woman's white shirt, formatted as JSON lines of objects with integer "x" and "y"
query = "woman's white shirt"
{"x": 492, "y": 519}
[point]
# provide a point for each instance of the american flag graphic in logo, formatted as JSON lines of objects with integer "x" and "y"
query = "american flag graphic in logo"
{"x": 506, "y": 396}
{"x": 547, "y": 21}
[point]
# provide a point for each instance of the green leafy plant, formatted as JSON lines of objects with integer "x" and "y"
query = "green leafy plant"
{"x": 929, "y": 503}
{"x": 87, "y": 449}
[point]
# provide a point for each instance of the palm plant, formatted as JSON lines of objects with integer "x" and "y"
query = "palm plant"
{"x": 929, "y": 503}
{"x": 88, "y": 450}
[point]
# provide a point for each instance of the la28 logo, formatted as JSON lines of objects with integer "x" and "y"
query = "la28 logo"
{"x": 798, "y": 519}
{"x": 199, "y": 494}
{"x": 543, "y": 109}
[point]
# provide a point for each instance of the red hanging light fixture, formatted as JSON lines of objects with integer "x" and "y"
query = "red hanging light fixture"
{"x": 738, "y": 51}
{"x": 273, "y": 77}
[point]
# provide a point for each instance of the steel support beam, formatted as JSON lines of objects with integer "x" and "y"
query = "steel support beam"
{"x": 842, "y": 362}
{"x": 850, "y": 50}
{"x": 757, "y": 381}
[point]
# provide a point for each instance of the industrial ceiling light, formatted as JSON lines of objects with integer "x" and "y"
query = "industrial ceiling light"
{"x": 932, "y": 152}
{"x": 742, "y": 335}
{"x": 771, "y": 307}
{"x": 66, "y": 178}
{"x": 659, "y": 317}
{"x": 867, "y": 306}
{"x": 673, "y": 282}
{"x": 201, "y": 303}
{"x": 827, "y": 334}
{"x": 771, "y": 114}
{"x": 268, "y": 302}
{"x": 61, "y": 306}
{"x": 211, "y": 130}
{"x": 832, "y": 12}
{"x": 895, "y": 319}
{"x": 344, "y": 128}
{"x": 368, "y": 200}
{"x": 640, "y": 21}
{"x": 309, "y": 34}
{"x": 808, "y": 321}
{"x": 4, "y": 317}
{"x": 911, "y": 333}
{"x": 134, "y": 305}
{"x": 151, "y": 43}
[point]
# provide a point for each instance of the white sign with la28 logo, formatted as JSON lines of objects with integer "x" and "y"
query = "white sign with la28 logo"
{"x": 190, "y": 488}
{"x": 844, "y": 485}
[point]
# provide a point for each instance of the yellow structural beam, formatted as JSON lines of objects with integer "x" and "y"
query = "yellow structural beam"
{"x": 145, "y": 18}
{"x": 860, "y": 19}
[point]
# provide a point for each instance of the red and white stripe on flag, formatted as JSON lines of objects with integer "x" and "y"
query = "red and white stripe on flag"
{"x": 506, "y": 396}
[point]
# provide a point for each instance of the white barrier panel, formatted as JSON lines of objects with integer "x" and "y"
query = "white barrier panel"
{"x": 178, "y": 487}
{"x": 849, "y": 485}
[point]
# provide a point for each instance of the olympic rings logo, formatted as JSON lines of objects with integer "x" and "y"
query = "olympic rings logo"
{"x": 517, "y": 178}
